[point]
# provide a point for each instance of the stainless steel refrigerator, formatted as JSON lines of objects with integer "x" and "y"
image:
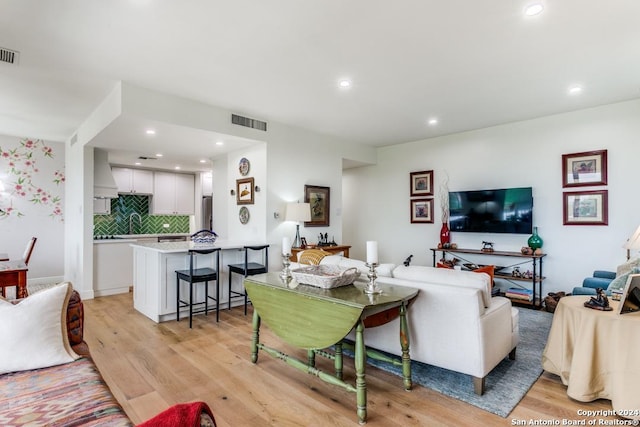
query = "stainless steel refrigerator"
{"x": 207, "y": 213}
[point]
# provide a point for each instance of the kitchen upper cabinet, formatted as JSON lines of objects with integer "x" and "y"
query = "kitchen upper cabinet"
{"x": 133, "y": 181}
{"x": 101, "y": 206}
{"x": 207, "y": 184}
{"x": 174, "y": 194}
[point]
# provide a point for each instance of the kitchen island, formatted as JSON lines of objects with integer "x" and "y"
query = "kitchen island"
{"x": 154, "y": 277}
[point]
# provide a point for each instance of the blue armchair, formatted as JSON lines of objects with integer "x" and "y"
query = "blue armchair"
{"x": 600, "y": 279}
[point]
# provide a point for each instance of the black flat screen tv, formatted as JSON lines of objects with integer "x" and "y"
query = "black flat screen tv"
{"x": 506, "y": 210}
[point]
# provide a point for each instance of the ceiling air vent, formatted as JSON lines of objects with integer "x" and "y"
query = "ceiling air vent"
{"x": 247, "y": 122}
{"x": 9, "y": 56}
{"x": 147, "y": 158}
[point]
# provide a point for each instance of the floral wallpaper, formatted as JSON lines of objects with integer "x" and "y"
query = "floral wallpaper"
{"x": 21, "y": 181}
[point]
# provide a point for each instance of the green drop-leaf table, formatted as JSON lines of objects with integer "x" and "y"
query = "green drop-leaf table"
{"x": 315, "y": 319}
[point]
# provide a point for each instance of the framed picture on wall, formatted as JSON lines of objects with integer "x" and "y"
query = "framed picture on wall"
{"x": 585, "y": 208}
{"x": 421, "y": 183}
{"x": 421, "y": 211}
{"x": 319, "y": 200}
{"x": 244, "y": 191}
{"x": 586, "y": 168}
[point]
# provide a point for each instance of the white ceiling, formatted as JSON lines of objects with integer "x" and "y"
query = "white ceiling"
{"x": 471, "y": 64}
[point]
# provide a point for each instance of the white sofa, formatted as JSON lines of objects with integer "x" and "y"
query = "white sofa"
{"x": 454, "y": 323}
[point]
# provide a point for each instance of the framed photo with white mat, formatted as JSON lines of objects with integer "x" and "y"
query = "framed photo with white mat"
{"x": 630, "y": 301}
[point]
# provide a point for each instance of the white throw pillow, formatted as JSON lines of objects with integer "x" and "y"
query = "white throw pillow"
{"x": 33, "y": 333}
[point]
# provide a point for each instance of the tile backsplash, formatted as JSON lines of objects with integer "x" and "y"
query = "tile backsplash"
{"x": 121, "y": 210}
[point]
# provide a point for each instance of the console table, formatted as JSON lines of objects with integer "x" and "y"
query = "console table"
{"x": 596, "y": 354}
{"x": 331, "y": 249}
{"x": 535, "y": 280}
{"x": 314, "y": 319}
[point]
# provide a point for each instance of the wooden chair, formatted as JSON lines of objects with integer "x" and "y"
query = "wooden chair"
{"x": 29, "y": 250}
{"x": 248, "y": 269}
{"x": 16, "y": 275}
{"x": 199, "y": 275}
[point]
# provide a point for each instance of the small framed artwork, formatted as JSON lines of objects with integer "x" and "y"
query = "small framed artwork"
{"x": 422, "y": 211}
{"x": 587, "y": 168}
{"x": 244, "y": 191}
{"x": 319, "y": 201}
{"x": 585, "y": 208}
{"x": 630, "y": 301}
{"x": 421, "y": 183}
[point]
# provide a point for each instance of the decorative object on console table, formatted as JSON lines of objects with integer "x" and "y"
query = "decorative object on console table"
{"x": 318, "y": 199}
{"x": 586, "y": 168}
{"x": 421, "y": 183}
{"x": 298, "y": 212}
{"x": 535, "y": 241}
{"x": 421, "y": 211}
{"x": 585, "y": 208}
{"x": 445, "y": 237}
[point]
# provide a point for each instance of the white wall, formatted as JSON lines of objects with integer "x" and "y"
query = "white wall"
{"x": 528, "y": 153}
{"x": 37, "y": 209}
{"x": 255, "y": 230}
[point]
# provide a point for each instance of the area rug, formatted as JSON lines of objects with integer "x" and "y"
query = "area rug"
{"x": 505, "y": 385}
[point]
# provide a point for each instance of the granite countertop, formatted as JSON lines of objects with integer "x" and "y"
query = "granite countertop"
{"x": 178, "y": 247}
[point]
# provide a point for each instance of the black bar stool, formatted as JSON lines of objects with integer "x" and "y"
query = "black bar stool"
{"x": 248, "y": 269}
{"x": 199, "y": 275}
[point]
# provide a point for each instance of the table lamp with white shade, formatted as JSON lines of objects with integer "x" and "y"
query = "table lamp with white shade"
{"x": 632, "y": 243}
{"x": 298, "y": 212}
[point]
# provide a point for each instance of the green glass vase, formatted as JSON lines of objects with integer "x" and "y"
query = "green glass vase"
{"x": 535, "y": 241}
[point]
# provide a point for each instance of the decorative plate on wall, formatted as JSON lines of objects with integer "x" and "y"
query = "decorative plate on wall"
{"x": 244, "y": 215}
{"x": 244, "y": 166}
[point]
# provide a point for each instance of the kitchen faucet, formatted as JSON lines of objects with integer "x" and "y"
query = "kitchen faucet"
{"x": 134, "y": 214}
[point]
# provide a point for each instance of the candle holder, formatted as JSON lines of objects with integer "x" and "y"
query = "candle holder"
{"x": 286, "y": 262}
{"x": 372, "y": 287}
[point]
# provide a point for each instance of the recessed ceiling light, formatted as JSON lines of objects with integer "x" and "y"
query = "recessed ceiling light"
{"x": 533, "y": 9}
{"x": 203, "y": 161}
{"x": 344, "y": 84}
{"x": 219, "y": 143}
{"x": 150, "y": 132}
{"x": 138, "y": 163}
{"x": 177, "y": 168}
{"x": 159, "y": 155}
{"x": 433, "y": 121}
{"x": 575, "y": 90}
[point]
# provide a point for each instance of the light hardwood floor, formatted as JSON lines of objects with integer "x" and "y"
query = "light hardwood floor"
{"x": 150, "y": 367}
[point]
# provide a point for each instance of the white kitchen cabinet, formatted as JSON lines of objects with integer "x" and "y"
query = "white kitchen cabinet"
{"x": 174, "y": 194}
{"x": 101, "y": 206}
{"x": 207, "y": 183}
{"x": 133, "y": 181}
{"x": 112, "y": 267}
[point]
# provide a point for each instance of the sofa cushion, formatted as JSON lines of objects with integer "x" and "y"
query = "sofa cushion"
{"x": 34, "y": 331}
{"x": 447, "y": 276}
